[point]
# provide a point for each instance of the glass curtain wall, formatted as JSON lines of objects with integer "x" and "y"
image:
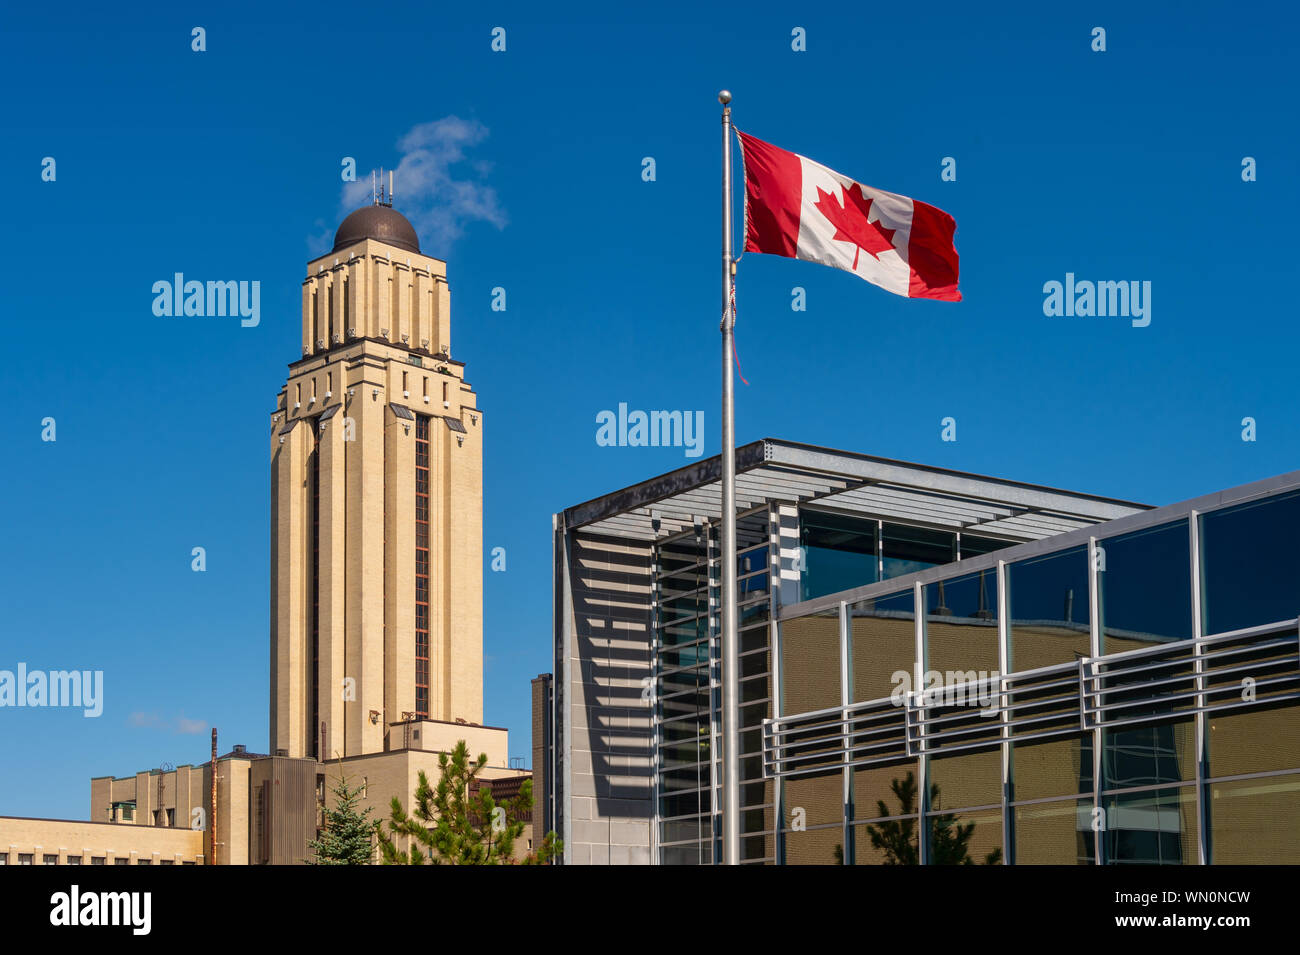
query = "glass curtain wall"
{"x": 684, "y": 665}
{"x": 688, "y": 693}
{"x": 1156, "y": 623}
{"x": 842, "y": 551}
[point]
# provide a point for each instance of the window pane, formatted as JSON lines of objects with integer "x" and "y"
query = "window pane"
{"x": 810, "y": 662}
{"x": 882, "y": 635}
{"x": 683, "y": 804}
{"x": 688, "y": 779}
{"x": 681, "y": 681}
{"x": 815, "y": 847}
{"x": 971, "y": 779}
{"x": 675, "y": 604}
{"x": 966, "y": 838}
{"x": 758, "y": 848}
{"x": 686, "y": 704}
{"x": 887, "y": 843}
{"x": 698, "y": 854}
{"x": 1149, "y": 755}
{"x": 1151, "y": 828}
{"x": 961, "y": 623}
{"x": 1254, "y": 741}
{"x": 684, "y": 634}
{"x": 1054, "y": 833}
{"x": 839, "y": 553}
{"x": 1250, "y": 563}
{"x": 680, "y": 830}
{"x": 1145, "y": 588}
{"x": 1058, "y": 767}
{"x": 816, "y": 799}
{"x": 1049, "y": 610}
{"x": 880, "y": 791}
{"x": 1256, "y": 821}
{"x": 908, "y": 549}
{"x": 973, "y": 546}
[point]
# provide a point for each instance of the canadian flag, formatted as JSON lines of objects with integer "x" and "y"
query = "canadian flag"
{"x": 800, "y": 209}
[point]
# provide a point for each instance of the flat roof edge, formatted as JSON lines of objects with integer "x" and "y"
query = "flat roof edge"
{"x": 666, "y": 485}
{"x": 812, "y": 449}
{"x": 776, "y": 451}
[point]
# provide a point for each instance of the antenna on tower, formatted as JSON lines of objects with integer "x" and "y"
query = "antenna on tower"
{"x": 377, "y": 194}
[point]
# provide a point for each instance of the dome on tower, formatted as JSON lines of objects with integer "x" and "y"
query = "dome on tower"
{"x": 382, "y": 223}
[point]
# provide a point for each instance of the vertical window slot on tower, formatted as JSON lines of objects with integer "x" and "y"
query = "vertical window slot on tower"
{"x": 422, "y": 567}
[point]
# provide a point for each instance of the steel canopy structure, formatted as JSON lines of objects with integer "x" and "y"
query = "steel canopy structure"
{"x": 772, "y": 469}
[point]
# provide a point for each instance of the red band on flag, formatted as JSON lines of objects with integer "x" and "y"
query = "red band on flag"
{"x": 931, "y": 255}
{"x": 773, "y": 180}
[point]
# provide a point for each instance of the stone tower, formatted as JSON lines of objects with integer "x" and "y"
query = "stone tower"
{"x": 376, "y": 504}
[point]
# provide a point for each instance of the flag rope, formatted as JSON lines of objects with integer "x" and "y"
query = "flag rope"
{"x": 734, "y": 352}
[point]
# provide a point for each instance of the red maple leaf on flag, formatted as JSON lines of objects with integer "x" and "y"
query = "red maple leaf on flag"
{"x": 851, "y": 225}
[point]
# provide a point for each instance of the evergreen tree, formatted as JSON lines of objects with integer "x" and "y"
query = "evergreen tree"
{"x": 346, "y": 838}
{"x": 458, "y": 822}
{"x": 948, "y": 838}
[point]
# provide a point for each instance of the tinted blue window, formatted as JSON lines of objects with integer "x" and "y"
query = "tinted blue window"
{"x": 1145, "y": 588}
{"x": 839, "y": 553}
{"x": 1250, "y": 564}
{"x": 909, "y": 549}
{"x": 1049, "y": 609}
{"x": 961, "y": 623}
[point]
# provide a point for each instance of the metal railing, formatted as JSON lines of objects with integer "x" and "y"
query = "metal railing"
{"x": 1259, "y": 666}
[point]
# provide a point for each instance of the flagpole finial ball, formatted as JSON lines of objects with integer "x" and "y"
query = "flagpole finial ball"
{"x": 724, "y": 97}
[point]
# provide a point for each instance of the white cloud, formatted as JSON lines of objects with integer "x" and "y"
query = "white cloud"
{"x": 439, "y": 200}
{"x": 154, "y": 721}
{"x": 189, "y": 726}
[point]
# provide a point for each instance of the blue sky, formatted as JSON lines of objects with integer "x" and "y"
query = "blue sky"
{"x": 1122, "y": 165}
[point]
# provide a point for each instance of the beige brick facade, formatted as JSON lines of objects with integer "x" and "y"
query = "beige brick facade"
{"x": 70, "y": 842}
{"x": 376, "y": 337}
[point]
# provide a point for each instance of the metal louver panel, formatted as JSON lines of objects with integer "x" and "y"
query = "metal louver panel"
{"x": 1247, "y": 668}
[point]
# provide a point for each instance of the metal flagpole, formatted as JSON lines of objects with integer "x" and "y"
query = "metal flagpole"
{"x": 730, "y": 651}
